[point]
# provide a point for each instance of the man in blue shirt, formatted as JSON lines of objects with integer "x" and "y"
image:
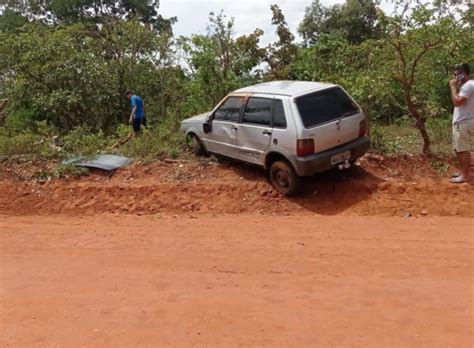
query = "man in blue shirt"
{"x": 137, "y": 117}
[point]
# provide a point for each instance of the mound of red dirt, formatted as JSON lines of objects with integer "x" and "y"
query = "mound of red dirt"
{"x": 408, "y": 186}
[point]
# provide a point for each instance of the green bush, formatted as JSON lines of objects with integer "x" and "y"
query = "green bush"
{"x": 82, "y": 142}
{"x": 402, "y": 137}
{"x": 390, "y": 139}
{"x": 21, "y": 120}
{"x": 440, "y": 130}
{"x": 67, "y": 170}
{"x": 42, "y": 176}
{"x": 162, "y": 140}
{"x": 23, "y": 143}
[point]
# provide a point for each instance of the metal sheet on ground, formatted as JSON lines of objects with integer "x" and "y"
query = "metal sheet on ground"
{"x": 105, "y": 162}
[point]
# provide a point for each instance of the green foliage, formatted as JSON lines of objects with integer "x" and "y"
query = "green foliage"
{"x": 82, "y": 142}
{"x": 281, "y": 53}
{"x": 403, "y": 138}
{"x": 220, "y": 63}
{"x": 419, "y": 38}
{"x": 355, "y": 67}
{"x": 441, "y": 133}
{"x": 441, "y": 167}
{"x": 394, "y": 139}
{"x": 405, "y": 72}
{"x": 11, "y": 20}
{"x": 22, "y": 143}
{"x": 159, "y": 141}
{"x": 42, "y": 176}
{"x": 77, "y": 75}
{"x": 64, "y": 70}
{"x": 94, "y": 11}
{"x": 68, "y": 170}
{"x": 62, "y": 171}
{"x": 20, "y": 120}
{"x": 354, "y": 20}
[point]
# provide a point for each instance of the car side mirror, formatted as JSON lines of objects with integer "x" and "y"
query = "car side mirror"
{"x": 207, "y": 127}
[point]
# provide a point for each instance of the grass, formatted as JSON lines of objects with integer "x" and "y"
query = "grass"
{"x": 165, "y": 140}
{"x": 155, "y": 142}
{"x": 23, "y": 143}
{"x": 403, "y": 138}
{"x": 158, "y": 141}
{"x": 69, "y": 170}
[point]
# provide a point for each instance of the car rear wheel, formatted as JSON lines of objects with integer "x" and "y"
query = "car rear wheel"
{"x": 284, "y": 178}
{"x": 195, "y": 145}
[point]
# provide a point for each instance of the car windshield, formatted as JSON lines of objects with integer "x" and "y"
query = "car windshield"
{"x": 325, "y": 106}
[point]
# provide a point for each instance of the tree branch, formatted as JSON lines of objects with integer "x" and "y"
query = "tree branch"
{"x": 426, "y": 47}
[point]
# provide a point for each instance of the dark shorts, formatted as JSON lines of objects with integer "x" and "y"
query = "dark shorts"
{"x": 137, "y": 122}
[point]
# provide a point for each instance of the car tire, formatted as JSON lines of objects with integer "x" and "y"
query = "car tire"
{"x": 220, "y": 158}
{"x": 284, "y": 178}
{"x": 195, "y": 145}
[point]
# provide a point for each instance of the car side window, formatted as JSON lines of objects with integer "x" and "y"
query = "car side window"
{"x": 279, "y": 119}
{"x": 258, "y": 111}
{"x": 229, "y": 110}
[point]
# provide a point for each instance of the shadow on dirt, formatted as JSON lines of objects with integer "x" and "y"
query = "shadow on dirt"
{"x": 335, "y": 191}
{"x": 327, "y": 193}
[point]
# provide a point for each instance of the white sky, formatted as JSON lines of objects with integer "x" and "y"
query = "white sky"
{"x": 193, "y": 15}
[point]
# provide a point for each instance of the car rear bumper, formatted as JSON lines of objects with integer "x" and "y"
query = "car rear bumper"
{"x": 321, "y": 161}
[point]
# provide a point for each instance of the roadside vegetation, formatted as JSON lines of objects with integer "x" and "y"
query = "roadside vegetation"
{"x": 64, "y": 68}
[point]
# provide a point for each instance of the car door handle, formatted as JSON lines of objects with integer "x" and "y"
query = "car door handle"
{"x": 234, "y": 128}
{"x": 267, "y": 132}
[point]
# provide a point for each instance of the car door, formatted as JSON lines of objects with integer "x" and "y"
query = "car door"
{"x": 255, "y": 130}
{"x": 223, "y": 136}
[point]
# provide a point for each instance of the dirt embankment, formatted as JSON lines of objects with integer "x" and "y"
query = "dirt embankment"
{"x": 379, "y": 186}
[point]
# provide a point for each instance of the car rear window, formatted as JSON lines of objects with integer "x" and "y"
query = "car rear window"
{"x": 325, "y": 106}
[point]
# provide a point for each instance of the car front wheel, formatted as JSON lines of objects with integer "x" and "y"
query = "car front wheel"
{"x": 284, "y": 178}
{"x": 195, "y": 145}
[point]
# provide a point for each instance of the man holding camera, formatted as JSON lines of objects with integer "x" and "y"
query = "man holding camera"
{"x": 463, "y": 119}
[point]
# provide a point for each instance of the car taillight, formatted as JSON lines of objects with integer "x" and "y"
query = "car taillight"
{"x": 363, "y": 128}
{"x": 304, "y": 147}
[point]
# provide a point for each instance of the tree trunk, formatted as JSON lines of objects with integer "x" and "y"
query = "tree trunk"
{"x": 420, "y": 124}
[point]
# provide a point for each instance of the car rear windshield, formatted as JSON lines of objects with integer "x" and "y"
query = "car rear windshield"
{"x": 325, "y": 106}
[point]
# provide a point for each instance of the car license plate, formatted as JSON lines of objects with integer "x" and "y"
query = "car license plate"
{"x": 340, "y": 157}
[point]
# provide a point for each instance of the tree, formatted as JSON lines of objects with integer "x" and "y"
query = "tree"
{"x": 281, "y": 53}
{"x": 355, "y": 67}
{"x": 355, "y": 21}
{"x": 219, "y": 62}
{"x": 77, "y": 75}
{"x": 417, "y": 33}
{"x": 11, "y": 20}
{"x": 67, "y": 12}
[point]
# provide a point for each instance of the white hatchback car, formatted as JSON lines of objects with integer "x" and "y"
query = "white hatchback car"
{"x": 291, "y": 128}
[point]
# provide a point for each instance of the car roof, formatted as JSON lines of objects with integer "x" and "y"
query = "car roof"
{"x": 287, "y": 88}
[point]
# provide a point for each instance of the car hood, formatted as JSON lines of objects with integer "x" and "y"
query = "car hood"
{"x": 201, "y": 118}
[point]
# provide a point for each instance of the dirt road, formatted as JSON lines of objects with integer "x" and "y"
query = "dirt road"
{"x": 232, "y": 280}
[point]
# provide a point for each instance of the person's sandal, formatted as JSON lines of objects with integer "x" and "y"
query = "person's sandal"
{"x": 458, "y": 180}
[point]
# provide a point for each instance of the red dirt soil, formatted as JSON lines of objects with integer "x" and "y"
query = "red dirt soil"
{"x": 378, "y": 256}
{"x": 379, "y": 186}
{"x": 236, "y": 280}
